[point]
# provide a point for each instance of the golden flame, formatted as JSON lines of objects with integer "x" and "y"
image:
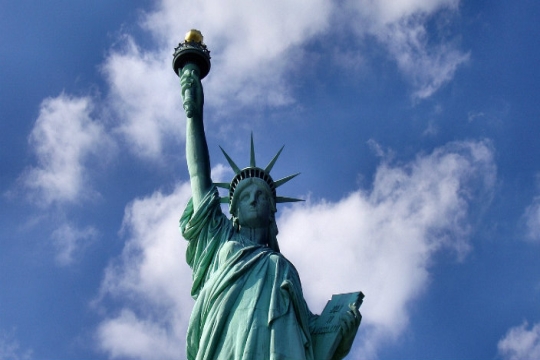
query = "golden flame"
{"x": 194, "y": 35}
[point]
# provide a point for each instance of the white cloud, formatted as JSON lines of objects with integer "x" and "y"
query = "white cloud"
{"x": 128, "y": 336}
{"x": 384, "y": 12}
{"x": 520, "y": 343}
{"x": 427, "y": 67}
{"x": 380, "y": 241}
{"x": 531, "y": 218}
{"x": 144, "y": 98}
{"x": 383, "y": 241}
{"x": 254, "y": 47}
{"x": 10, "y": 348}
{"x": 401, "y": 26}
{"x": 70, "y": 241}
{"x": 274, "y": 40}
{"x": 250, "y": 44}
{"x": 152, "y": 281}
{"x": 63, "y": 137}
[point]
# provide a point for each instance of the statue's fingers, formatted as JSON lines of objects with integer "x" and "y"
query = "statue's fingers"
{"x": 355, "y": 311}
{"x": 188, "y": 74}
{"x": 343, "y": 326}
{"x": 358, "y": 316}
{"x": 185, "y": 85}
{"x": 186, "y": 80}
{"x": 348, "y": 321}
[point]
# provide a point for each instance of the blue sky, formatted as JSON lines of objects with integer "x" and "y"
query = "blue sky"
{"x": 414, "y": 125}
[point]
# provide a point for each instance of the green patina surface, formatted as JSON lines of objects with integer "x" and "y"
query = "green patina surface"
{"x": 249, "y": 301}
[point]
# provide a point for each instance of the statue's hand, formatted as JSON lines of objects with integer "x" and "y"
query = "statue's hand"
{"x": 350, "y": 321}
{"x": 192, "y": 91}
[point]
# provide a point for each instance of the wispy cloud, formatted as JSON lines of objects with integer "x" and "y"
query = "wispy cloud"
{"x": 255, "y": 46}
{"x": 253, "y": 43}
{"x": 151, "y": 281}
{"x": 520, "y": 343}
{"x": 63, "y": 138}
{"x": 69, "y": 143}
{"x": 531, "y": 218}
{"x": 144, "y": 95}
{"x": 384, "y": 12}
{"x": 10, "y": 348}
{"x": 428, "y": 61}
{"x": 381, "y": 242}
{"x": 144, "y": 98}
{"x": 427, "y": 67}
{"x": 69, "y": 241}
{"x": 130, "y": 336}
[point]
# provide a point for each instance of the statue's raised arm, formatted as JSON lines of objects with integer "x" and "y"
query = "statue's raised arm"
{"x": 197, "y": 157}
{"x": 192, "y": 63}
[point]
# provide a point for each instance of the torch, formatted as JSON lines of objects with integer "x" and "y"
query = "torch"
{"x": 191, "y": 51}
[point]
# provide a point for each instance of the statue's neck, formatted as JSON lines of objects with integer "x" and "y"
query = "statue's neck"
{"x": 256, "y": 235}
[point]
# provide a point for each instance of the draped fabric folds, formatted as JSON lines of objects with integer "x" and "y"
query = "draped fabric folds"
{"x": 248, "y": 298}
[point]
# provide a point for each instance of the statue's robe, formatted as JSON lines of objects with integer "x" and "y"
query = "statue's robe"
{"x": 248, "y": 298}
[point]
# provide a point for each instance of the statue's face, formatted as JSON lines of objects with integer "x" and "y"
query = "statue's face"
{"x": 253, "y": 207}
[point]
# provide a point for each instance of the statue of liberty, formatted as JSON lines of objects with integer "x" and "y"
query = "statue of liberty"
{"x": 249, "y": 303}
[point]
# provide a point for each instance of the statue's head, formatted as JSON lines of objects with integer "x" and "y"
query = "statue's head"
{"x": 252, "y": 195}
{"x": 262, "y": 176}
{"x": 253, "y": 203}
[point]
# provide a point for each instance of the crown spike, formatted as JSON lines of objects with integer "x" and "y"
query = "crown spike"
{"x": 235, "y": 168}
{"x": 280, "y": 182}
{"x": 284, "y": 199}
{"x": 224, "y": 199}
{"x": 273, "y": 161}
{"x": 252, "y": 154}
{"x": 223, "y": 185}
{"x": 254, "y": 172}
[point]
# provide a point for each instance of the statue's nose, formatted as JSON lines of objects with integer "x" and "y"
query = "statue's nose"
{"x": 253, "y": 200}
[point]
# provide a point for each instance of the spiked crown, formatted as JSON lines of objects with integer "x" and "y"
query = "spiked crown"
{"x": 252, "y": 171}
